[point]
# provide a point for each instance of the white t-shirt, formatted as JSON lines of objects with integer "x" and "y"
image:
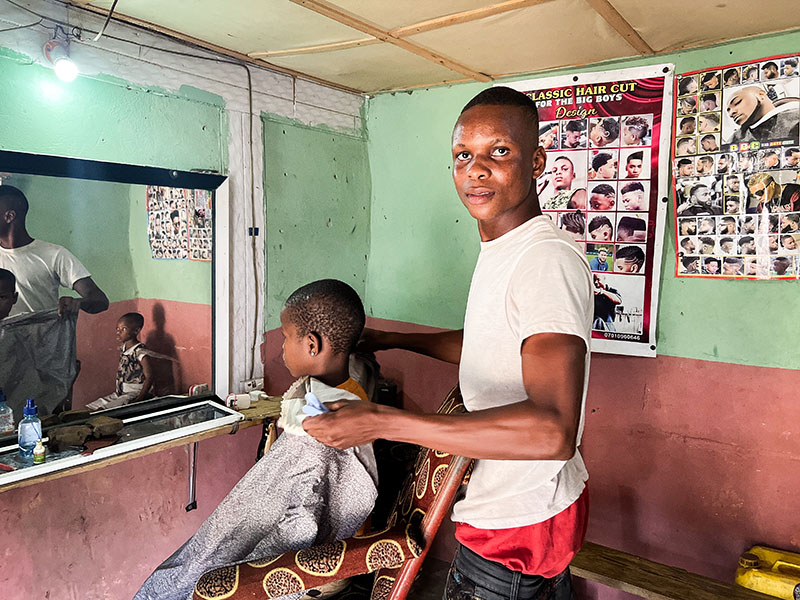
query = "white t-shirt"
{"x": 40, "y": 268}
{"x": 534, "y": 279}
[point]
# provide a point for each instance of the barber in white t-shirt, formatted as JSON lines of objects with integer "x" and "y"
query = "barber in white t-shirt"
{"x": 523, "y": 360}
{"x": 41, "y": 267}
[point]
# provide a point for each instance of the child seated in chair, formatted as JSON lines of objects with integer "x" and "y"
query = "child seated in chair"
{"x": 301, "y": 493}
{"x": 135, "y": 373}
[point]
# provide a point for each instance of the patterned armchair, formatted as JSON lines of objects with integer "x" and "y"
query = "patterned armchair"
{"x": 395, "y": 554}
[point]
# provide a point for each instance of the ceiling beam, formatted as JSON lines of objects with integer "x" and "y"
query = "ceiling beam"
{"x": 193, "y": 41}
{"x": 618, "y": 22}
{"x": 335, "y": 13}
{"x": 464, "y": 17}
{"x": 316, "y": 49}
{"x": 422, "y": 27}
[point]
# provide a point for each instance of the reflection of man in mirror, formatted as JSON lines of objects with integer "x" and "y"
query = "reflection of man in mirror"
{"x": 759, "y": 118}
{"x": 41, "y": 267}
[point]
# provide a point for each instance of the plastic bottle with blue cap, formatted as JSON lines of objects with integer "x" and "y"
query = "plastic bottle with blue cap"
{"x": 30, "y": 429}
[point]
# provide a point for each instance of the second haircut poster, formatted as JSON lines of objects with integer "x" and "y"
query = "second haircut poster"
{"x": 737, "y": 157}
{"x": 607, "y": 138}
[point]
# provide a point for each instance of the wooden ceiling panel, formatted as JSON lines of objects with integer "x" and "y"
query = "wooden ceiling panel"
{"x": 370, "y": 68}
{"x": 686, "y": 23}
{"x": 242, "y": 25}
{"x": 566, "y": 32}
{"x": 427, "y": 43}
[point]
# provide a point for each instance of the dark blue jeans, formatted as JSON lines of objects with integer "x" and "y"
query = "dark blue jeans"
{"x": 473, "y": 577}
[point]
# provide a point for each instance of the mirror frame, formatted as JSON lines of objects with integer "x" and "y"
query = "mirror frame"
{"x": 77, "y": 168}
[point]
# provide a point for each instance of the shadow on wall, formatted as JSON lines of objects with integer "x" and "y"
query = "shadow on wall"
{"x": 167, "y": 374}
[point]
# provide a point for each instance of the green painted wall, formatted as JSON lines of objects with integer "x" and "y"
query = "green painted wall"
{"x": 424, "y": 244}
{"x": 105, "y": 226}
{"x": 108, "y": 119}
{"x": 317, "y": 187}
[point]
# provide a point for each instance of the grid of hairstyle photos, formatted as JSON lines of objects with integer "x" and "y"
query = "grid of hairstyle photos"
{"x": 166, "y": 223}
{"x": 199, "y": 224}
{"x": 736, "y": 171}
{"x": 597, "y": 187}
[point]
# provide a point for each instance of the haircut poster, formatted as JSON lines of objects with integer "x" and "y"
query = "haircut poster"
{"x": 604, "y": 182}
{"x": 737, "y": 156}
{"x": 179, "y": 223}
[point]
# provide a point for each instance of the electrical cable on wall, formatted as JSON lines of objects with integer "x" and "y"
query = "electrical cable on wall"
{"x": 108, "y": 19}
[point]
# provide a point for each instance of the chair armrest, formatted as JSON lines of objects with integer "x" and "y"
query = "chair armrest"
{"x": 311, "y": 567}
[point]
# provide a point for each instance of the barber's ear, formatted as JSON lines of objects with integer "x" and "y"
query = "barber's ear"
{"x": 539, "y": 161}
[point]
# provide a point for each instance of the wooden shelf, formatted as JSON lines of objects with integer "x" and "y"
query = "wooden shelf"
{"x": 258, "y": 412}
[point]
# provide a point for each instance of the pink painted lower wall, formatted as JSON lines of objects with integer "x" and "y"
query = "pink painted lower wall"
{"x": 181, "y": 330}
{"x": 98, "y": 535}
{"x": 691, "y": 462}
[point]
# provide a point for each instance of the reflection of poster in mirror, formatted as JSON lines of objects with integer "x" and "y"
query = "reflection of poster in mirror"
{"x": 603, "y": 181}
{"x": 200, "y": 232}
{"x": 167, "y": 222}
{"x": 736, "y": 171}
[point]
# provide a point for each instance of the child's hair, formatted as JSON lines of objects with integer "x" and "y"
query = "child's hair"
{"x": 330, "y": 308}
{"x": 133, "y": 319}
{"x": 631, "y": 254}
{"x": 8, "y": 276}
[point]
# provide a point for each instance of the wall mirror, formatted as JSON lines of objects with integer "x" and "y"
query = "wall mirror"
{"x": 146, "y": 235}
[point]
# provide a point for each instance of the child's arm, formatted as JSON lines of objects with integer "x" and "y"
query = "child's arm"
{"x": 147, "y": 367}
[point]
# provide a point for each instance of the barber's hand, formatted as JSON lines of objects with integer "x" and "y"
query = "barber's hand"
{"x": 68, "y": 306}
{"x": 372, "y": 340}
{"x": 349, "y": 423}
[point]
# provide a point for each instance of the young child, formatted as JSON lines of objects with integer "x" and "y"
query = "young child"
{"x": 8, "y": 292}
{"x": 135, "y": 371}
{"x": 301, "y": 493}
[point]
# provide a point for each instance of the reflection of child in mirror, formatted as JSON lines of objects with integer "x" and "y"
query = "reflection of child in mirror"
{"x": 317, "y": 494}
{"x": 135, "y": 373}
{"x": 8, "y": 292}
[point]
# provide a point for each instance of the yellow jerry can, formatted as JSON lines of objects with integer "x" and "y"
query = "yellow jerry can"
{"x": 769, "y": 571}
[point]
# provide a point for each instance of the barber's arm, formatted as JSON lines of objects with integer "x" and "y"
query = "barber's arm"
{"x": 542, "y": 427}
{"x": 93, "y": 300}
{"x": 443, "y": 345}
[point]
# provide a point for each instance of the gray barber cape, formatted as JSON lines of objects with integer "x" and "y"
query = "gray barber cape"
{"x": 37, "y": 359}
{"x": 300, "y": 494}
